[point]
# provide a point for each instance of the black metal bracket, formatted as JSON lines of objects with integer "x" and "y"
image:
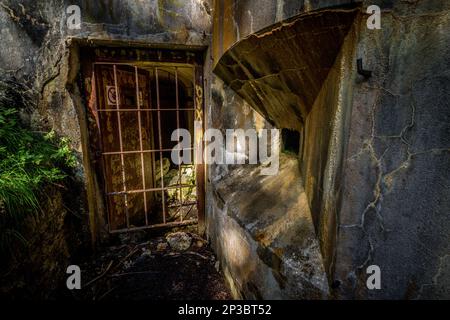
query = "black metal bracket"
{"x": 365, "y": 73}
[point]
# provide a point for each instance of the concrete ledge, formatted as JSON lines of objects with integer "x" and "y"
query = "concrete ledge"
{"x": 262, "y": 229}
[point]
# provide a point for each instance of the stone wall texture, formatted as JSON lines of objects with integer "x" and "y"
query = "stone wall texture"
{"x": 40, "y": 51}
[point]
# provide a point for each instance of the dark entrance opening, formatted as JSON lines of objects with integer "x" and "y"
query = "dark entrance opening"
{"x": 290, "y": 141}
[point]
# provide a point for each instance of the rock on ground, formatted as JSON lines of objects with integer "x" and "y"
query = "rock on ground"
{"x": 179, "y": 241}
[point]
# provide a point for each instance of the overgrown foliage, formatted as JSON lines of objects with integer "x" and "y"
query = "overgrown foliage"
{"x": 28, "y": 161}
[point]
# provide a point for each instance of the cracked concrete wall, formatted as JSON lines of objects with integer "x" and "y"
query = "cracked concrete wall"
{"x": 396, "y": 199}
{"x": 376, "y": 165}
{"x": 394, "y": 182}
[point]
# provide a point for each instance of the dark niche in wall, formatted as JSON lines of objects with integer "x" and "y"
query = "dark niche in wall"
{"x": 290, "y": 141}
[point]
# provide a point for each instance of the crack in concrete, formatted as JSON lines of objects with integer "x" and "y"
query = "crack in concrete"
{"x": 57, "y": 64}
{"x": 15, "y": 17}
{"x": 388, "y": 177}
{"x": 382, "y": 177}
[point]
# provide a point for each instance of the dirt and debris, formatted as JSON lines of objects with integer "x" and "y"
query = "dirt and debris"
{"x": 180, "y": 266}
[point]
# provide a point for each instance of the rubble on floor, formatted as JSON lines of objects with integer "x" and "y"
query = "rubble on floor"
{"x": 176, "y": 267}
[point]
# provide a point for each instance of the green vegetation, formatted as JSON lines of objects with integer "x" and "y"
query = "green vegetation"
{"x": 28, "y": 162}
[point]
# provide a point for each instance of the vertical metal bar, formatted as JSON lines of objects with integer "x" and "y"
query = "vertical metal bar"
{"x": 97, "y": 87}
{"x": 140, "y": 143}
{"x": 160, "y": 144}
{"x": 178, "y": 127}
{"x": 122, "y": 160}
{"x": 152, "y": 138}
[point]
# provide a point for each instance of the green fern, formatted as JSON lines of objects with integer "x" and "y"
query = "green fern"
{"x": 28, "y": 161}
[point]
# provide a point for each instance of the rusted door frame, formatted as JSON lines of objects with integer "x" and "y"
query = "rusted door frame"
{"x": 127, "y": 55}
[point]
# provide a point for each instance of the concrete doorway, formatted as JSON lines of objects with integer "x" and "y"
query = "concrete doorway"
{"x": 136, "y": 105}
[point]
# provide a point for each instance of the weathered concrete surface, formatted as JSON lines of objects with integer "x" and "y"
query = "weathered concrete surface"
{"x": 280, "y": 71}
{"x": 375, "y": 153}
{"x": 36, "y": 50}
{"x": 396, "y": 199}
{"x": 318, "y": 110}
{"x": 34, "y": 33}
{"x": 386, "y": 204}
{"x": 264, "y": 234}
{"x": 323, "y": 147}
{"x": 156, "y": 21}
{"x": 236, "y": 19}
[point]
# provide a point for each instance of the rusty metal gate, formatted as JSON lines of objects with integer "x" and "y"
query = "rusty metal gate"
{"x": 138, "y": 107}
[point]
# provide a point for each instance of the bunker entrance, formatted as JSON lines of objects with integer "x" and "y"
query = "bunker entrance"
{"x": 138, "y": 106}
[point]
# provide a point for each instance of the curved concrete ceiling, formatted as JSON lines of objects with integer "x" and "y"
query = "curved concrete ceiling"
{"x": 279, "y": 70}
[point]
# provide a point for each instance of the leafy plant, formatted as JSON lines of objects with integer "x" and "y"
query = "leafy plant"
{"x": 28, "y": 161}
